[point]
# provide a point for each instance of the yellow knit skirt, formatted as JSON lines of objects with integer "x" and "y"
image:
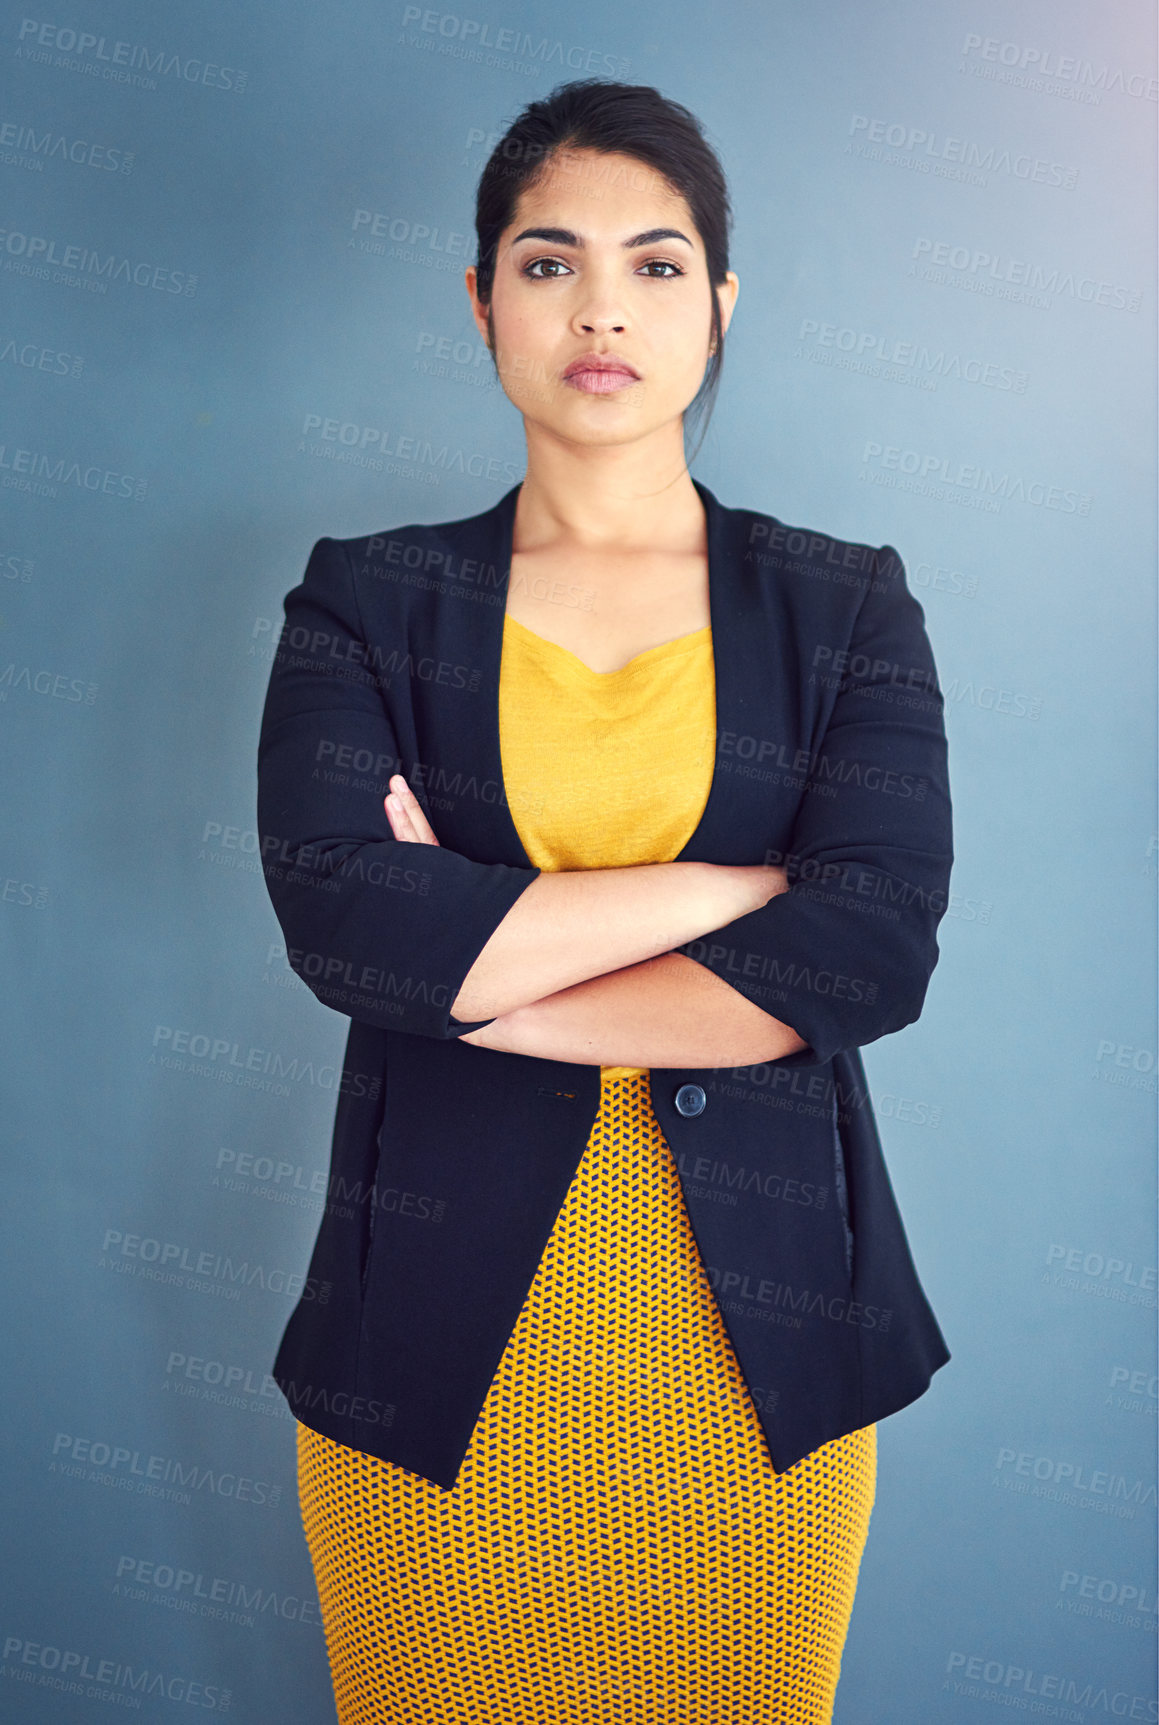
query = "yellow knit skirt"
{"x": 618, "y": 1549}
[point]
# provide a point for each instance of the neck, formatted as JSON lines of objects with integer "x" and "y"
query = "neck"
{"x": 614, "y": 499}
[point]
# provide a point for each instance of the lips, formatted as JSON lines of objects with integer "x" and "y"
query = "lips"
{"x": 589, "y": 363}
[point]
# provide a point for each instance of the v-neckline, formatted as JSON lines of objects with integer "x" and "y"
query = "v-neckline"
{"x": 713, "y": 830}
{"x": 664, "y": 648}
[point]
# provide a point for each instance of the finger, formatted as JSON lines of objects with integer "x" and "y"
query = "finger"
{"x": 400, "y": 821}
{"x": 404, "y": 825}
{"x": 412, "y": 808}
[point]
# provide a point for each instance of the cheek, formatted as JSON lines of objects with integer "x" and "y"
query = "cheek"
{"x": 682, "y": 329}
{"x": 524, "y": 329}
{"x": 684, "y": 352}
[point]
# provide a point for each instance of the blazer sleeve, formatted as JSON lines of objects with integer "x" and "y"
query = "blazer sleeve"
{"x": 845, "y": 956}
{"x": 381, "y": 929}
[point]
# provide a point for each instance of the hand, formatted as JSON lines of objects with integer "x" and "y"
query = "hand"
{"x": 778, "y": 881}
{"x": 754, "y": 884}
{"x": 403, "y": 811}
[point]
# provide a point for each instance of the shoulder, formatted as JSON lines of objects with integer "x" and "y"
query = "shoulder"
{"x": 810, "y": 581}
{"x": 419, "y": 560}
{"x": 794, "y": 554}
{"x": 411, "y": 539}
{"x": 817, "y": 587}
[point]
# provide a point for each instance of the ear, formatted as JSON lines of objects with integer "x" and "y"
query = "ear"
{"x": 480, "y": 312}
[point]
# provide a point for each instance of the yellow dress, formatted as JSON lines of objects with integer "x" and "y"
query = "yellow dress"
{"x": 617, "y": 1549}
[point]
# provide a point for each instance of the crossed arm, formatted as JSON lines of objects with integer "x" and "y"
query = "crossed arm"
{"x": 636, "y": 1001}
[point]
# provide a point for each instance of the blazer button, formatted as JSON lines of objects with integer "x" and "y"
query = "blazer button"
{"x": 690, "y": 1099}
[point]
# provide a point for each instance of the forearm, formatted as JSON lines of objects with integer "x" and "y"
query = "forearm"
{"x": 665, "y": 1011}
{"x": 569, "y": 927}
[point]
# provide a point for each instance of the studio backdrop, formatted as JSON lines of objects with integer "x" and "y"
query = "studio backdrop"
{"x": 232, "y": 252}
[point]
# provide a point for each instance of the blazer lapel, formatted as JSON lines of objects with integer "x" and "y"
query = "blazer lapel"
{"x": 457, "y": 728}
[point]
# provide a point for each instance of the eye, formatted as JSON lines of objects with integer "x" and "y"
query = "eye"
{"x": 665, "y": 264}
{"x": 531, "y": 270}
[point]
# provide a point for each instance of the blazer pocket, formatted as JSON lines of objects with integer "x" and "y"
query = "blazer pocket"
{"x": 841, "y": 1187}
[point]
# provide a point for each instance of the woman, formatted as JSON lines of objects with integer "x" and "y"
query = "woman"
{"x": 560, "y": 1421}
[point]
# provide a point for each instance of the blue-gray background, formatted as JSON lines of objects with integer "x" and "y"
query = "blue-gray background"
{"x": 943, "y": 341}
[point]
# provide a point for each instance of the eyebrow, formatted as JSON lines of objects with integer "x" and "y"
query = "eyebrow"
{"x": 566, "y": 237}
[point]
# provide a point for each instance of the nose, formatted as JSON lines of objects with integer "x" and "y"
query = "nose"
{"x": 600, "y": 310}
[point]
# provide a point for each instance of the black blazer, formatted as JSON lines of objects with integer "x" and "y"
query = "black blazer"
{"x": 450, "y": 1162}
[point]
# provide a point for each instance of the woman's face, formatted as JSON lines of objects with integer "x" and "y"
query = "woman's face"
{"x": 601, "y": 257}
